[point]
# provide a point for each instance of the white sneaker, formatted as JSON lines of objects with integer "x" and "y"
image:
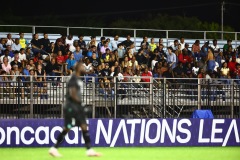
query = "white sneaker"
{"x": 54, "y": 152}
{"x": 92, "y": 153}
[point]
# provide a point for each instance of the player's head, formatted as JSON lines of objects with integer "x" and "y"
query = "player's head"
{"x": 79, "y": 69}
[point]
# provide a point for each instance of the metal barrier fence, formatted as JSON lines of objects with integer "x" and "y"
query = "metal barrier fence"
{"x": 159, "y": 98}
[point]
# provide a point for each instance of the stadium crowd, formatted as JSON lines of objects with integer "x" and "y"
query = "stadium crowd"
{"x": 110, "y": 57}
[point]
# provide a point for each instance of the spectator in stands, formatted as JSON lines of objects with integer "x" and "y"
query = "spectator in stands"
{"x": 237, "y": 74}
{"x": 10, "y": 40}
{"x": 40, "y": 62}
{"x": 105, "y": 88}
{"x": 115, "y": 42}
{"x": 10, "y": 53}
{"x": 16, "y": 61}
{"x": 45, "y": 42}
{"x": 106, "y": 56}
{"x": 31, "y": 63}
{"x": 89, "y": 70}
{"x": 121, "y": 51}
{"x": 161, "y": 51}
{"x": 70, "y": 64}
{"x": 152, "y": 45}
{"x": 92, "y": 42}
{"x": 62, "y": 39}
{"x": 91, "y": 50}
{"x": 186, "y": 49}
{"x": 204, "y": 49}
{"x": 146, "y": 76}
{"x": 175, "y": 45}
{"x": 26, "y": 72}
{"x": 178, "y": 70}
{"x": 29, "y": 54}
{"x": 220, "y": 59}
{"x": 171, "y": 58}
{"x": 16, "y": 46}
{"x": 100, "y": 44}
{"x": 232, "y": 65}
{"x": 23, "y": 42}
{"x": 82, "y": 43}
{"x": 105, "y": 70}
{"x": 103, "y": 48}
{"x": 160, "y": 42}
{"x": 112, "y": 59}
{"x": 109, "y": 44}
{"x": 36, "y": 44}
{"x": 225, "y": 73}
{"x": 53, "y": 70}
{"x": 229, "y": 53}
{"x": 195, "y": 69}
{"x": 95, "y": 61}
{"x": 133, "y": 63}
{"x": 126, "y": 43}
{"x": 50, "y": 48}
{"x": 226, "y": 46}
{"x": 59, "y": 46}
{"x": 145, "y": 40}
{"x": 6, "y": 54}
{"x": 5, "y": 86}
{"x": 154, "y": 61}
{"x": 145, "y": 52}
{"x": 215, "y": 48}
{"x": 2, "y": 46}
{"x": 6, "y": 65}
{"x": 69, "y": 41}
{"x": 15, "y": 75}
{"x": 182, "y": 43}
{"x": 201, "y": 73}
{"x": 60, "y": 58}
{"x": 40, "y": 75}
{"x": 196, "y": 50}
{"x": 22, "y": 56}
{"x": 210, "y": 59}
{"x": 141, "y": 59}
{"x": 78, "y": 54}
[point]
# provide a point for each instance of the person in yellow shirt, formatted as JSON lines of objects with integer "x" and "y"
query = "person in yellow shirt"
{"x": 23, "y": 42}
{"x": 152, "y": 45}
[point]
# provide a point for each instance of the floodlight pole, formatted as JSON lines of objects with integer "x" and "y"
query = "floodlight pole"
{"x": 222, "y": 9}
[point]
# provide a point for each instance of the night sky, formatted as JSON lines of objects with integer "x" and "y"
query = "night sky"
{"x": 205, "y": 10}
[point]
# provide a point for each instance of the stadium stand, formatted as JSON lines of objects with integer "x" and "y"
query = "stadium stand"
{"x": 169, "y": 92}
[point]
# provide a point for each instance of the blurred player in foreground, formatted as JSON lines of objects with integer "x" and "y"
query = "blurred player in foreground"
{"x": 75, "y": 113}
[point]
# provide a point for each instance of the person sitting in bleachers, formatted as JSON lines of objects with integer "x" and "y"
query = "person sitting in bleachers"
{"x": 16, "y": 45}
{"x": 70, "y": 64}
{"x": 53, "y": 69}
{"x": 5, "y": 86}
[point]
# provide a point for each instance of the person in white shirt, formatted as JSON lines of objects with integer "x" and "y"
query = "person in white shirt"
{"x": 10, "y": 41}
{"x": 182, "y": 43}
{"x": 69, "y": 41}
{"x": 22, "y": 55}
{"x": 16, "y": 45}
{"x": 115, "y": 42}
{"x": 215, "y": 47}
{"x": 6, "y": 54}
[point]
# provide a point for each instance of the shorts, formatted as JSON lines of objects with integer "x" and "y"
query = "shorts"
{"x": 74, "y": 115}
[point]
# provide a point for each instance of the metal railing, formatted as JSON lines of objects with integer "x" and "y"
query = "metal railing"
{"x": 163, "y": 98}
{"x": 134, "y": 32}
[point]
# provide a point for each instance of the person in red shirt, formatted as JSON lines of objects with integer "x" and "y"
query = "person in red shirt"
{"x": 232, "y": 65}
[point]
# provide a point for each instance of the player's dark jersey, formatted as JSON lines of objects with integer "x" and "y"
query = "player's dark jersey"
{"x": 75, "y": 82}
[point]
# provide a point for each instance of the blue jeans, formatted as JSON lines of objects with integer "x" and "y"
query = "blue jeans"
{"x": 105, "y": 92}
